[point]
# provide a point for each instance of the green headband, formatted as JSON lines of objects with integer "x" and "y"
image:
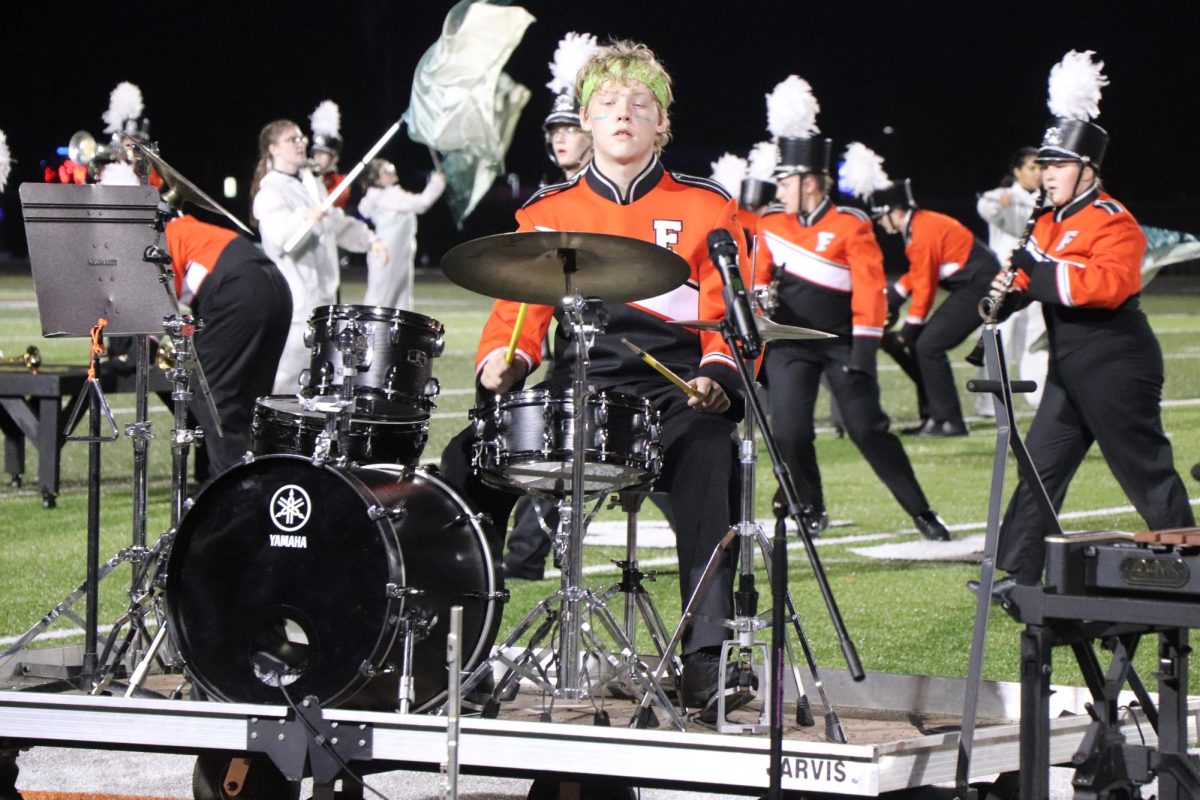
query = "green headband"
{"x": 629, "y": 71}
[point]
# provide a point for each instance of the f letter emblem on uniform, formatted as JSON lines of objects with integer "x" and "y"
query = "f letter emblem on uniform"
{"x": 666, "y": 232}
{"x": 1066, "y": 240}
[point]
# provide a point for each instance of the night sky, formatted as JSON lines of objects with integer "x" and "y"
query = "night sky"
{"x": 960, "y": 85}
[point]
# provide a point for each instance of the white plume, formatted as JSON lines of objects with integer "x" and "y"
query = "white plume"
{"x": 5, "y": 161}
{"x": 326, "y": 119}
{"x": 124, "y": 103}
{"x": 861, "y": 172}
{"x": 573, "y": 52}
{"x": 729, "y": 171}
{"x": 118, "y": 173}
{"x": 763, "y": 157}
{"x": 792, "y": 109}
{"x": 1075, "y": 86}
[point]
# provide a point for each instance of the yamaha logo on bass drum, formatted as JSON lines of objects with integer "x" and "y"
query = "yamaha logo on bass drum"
{"x": 290, "y": 510}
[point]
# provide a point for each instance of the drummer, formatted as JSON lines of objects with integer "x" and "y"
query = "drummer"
{"x": 624, "y": 96}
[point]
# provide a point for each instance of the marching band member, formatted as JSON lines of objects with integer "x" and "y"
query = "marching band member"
{"x": 1083, "y": 263}
{"x": 941, "y": 252}
{"x": 829, "y": 270}
{"x": 326, "y": 121}
{"x": 246, "y": 308}
{"x": 393, "y": 212}
{"x": 285, "y": 196}
{"x": 625, "y": 95}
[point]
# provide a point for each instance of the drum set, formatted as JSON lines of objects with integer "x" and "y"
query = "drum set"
{"x": 329, "y": 561}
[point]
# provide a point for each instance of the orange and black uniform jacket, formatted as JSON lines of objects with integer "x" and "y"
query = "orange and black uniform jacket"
{"x": 1088, "y": 257}
{"x": 331, "y": 180}
{"x": 830, "y": 271}
{"x": 941, "y": 251}
{"x": 195, "y": 247}
{"x": 671, "y": 210}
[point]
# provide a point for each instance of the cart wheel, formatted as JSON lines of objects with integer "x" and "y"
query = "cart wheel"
{"x": 49, "y": 500}
{"x": 1003, "y": 788}
{"x": 14, "y": 480}
{"x": 545, "y": 789}
{"x": 261, "y": 780}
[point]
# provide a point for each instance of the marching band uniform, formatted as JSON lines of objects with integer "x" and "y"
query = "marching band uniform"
{"x": 1083, "y": 262}
{"x": 393, "y": 212}
{"x": 699, "y": 460}
{"x": 311, "y": 269}
{"x": 245, "y": 306}
{"x": 829, "y": 272}
{"x": 831, "y": 278}
{"x": 941, "y": 252}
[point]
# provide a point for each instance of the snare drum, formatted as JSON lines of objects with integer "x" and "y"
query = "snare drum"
{"x": 393, "y": 358}
{"x": 526, "y": 440}
{"x": 282, "y": 425}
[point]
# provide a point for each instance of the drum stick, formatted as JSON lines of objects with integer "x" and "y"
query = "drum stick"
{"x": 657, "y": 366}
{"x": 512, "y": 343}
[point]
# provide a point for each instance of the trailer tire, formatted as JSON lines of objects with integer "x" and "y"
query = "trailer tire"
{"x": 263, "y": 780}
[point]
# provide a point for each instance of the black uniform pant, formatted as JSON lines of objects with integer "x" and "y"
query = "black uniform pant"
{"x": 699, "y": 475}
{"x": 953, "y": 321}
{"x": 1110, "y": 396}
{"x": 246, "y": 308}
{"x": 794, "y": 373}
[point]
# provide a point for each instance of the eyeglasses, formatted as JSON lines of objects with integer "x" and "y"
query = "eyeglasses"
{"x": 296, "y": 139}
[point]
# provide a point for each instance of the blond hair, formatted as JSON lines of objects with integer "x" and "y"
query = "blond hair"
{"x": 624, "y": 61}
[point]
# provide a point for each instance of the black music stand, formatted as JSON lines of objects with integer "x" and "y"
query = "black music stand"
{"x": 94, "y": 255}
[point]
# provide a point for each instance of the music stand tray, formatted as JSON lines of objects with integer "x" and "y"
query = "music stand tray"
{"x": 87, "y": 249}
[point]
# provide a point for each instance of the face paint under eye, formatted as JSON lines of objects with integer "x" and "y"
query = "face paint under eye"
{"x": 600, "y": 117}
{"x": 643, "y": 117}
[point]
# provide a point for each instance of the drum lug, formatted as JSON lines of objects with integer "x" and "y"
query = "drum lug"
{"x": 600, "y": 415}
{"x": 503, "y": 595}
{"x": 395, "y": 592}
{"x": 376, "y": 513}
{"x": 310, "y": 335}
{"x": 369, "y": 670}
{"x": 439, "y": 345}
{"x": 432, "y": 388}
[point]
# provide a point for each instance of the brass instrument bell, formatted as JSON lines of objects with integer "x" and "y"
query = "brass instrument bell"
{"x": 31, "y": 359}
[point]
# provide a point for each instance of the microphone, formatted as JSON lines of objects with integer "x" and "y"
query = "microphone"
{"x": 723, "y": 252}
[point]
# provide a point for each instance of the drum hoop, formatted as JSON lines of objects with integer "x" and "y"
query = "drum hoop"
{"x": 275, "y": 413}
{"x": 534, "y": 396}
{"x": 384, "y": 314}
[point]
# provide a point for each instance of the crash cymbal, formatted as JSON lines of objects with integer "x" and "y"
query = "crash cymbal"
{"x": 529, "y": 267}
{"x": 768, "y": 330}
{"x": 180, "y": 190}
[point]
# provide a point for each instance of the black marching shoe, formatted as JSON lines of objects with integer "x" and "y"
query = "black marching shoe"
{"x": 698, "y": 685}
{"x": 1000, "y": 588}
{"x": 943, "y": 427}
{"x": 930, "y": 525}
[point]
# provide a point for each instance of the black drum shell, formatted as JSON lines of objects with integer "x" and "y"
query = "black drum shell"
{"x": 282, "y": 425}
{"x": 535, "y": 429}
{"x": 397, "y": 380}
{"x": 228, "y": 588}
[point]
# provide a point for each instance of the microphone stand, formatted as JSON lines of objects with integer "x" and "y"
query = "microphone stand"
{"x": 795, "y": 510}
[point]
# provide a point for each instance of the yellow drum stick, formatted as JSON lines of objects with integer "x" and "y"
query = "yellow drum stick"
{"x": 512, "y": 344}
{"x": 657, "y": 366}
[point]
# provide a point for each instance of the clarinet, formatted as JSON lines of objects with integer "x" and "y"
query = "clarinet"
{"x": 990, "y": 304}
{"x": 993, "y": 301}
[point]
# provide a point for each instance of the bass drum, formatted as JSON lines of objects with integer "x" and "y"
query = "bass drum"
{"x": 321, "y": 567}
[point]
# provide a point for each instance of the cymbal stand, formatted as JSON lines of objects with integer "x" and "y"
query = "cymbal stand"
{"x": 573, "y": 601}
{"x": 148, "y": 567}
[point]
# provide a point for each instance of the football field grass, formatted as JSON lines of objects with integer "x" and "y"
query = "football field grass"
{"x": 904, "y": 616}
